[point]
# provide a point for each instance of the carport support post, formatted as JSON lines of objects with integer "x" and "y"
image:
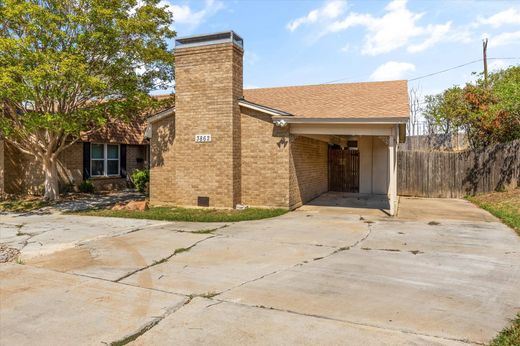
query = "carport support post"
{"x": 392, "y": 174}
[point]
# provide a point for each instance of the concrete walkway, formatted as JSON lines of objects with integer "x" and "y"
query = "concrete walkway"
{"x": 442, "y": 273}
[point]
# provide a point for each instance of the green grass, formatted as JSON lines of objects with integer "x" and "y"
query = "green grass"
{"x": 21, "y": 205}
{"x": 509, "y": 336}
{"x": 187, "y": 214}
{"x": 504, "y": 205}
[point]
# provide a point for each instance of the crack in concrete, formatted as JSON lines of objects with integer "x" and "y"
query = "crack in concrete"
{"x": 189, "y": 298}
{"x": 405, "y": 331}
{"x": 165, "y": 259}
{"x": 146, "y": 327}
{"x": 231, "y": 236}
{"x": 120, "y": 234}
{"x": 414, "y": 252}
{"x": 337, "y": 250}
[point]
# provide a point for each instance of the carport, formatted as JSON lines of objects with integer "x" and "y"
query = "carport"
{"x": 361, "y": 155}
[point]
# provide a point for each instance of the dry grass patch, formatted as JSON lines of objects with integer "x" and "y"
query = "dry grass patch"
{"x": 504, "y": 205}
{"x": 21, "y": 205}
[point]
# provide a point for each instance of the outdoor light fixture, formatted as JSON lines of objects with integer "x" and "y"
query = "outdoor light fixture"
{"x": 281, "y": 123}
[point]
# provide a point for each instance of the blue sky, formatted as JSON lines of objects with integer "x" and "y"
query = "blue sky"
{"x": 312, "y": 42}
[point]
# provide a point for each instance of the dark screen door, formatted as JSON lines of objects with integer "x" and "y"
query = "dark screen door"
{"x": 343, "y": 169}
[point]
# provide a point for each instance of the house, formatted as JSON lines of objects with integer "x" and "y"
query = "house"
{"x": 223, "y": 146}
{"x": 106, "y": 158}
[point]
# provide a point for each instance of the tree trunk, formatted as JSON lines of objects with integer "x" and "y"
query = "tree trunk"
{"x": 50, "y": 169}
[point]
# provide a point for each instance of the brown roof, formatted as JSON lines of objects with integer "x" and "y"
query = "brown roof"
{"x": 131, "y": 132}
{"x": 346, "y": 100}
{"x": 127, "y": 132}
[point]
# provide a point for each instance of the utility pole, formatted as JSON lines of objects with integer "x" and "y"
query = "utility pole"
{"x": 484, "y": 58}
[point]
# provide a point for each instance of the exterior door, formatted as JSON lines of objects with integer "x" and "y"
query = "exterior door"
{"x": 343, "y": 169}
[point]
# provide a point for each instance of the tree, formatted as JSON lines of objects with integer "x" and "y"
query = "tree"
{"x": 445, "y": 110}
{"x": 488, "y": 111}
{"x": 67, "y": 67}
{"x": 414, "y": 98}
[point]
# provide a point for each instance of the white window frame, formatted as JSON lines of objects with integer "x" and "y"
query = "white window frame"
{"x": 105, "y": 160}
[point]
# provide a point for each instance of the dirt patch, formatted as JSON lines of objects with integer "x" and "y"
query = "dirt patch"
{"x": 132, "y": 206}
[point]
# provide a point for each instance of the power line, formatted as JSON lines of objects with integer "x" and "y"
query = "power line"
{"x": 459, "y": 66}
{"x": 430, "y": 74}
{"x": 446, "y": 70}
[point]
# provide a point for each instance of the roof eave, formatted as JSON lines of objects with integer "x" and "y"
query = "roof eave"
{"x": 161, "y": 115}
{"x": 382, "y": 120}
{"x": 264, "y": 109}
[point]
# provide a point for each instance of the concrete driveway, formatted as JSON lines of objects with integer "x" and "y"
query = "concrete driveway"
{"x": 442, "y": 273}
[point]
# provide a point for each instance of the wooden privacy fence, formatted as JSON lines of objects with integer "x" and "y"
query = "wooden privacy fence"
{"x": 457, "y": 174}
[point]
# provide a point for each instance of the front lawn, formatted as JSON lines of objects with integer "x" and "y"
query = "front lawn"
{"x": 186, "y": 214}
{"x": 510, "y": 336}
{"x": 504, "y": 205}
{"x": 21, "y": 205}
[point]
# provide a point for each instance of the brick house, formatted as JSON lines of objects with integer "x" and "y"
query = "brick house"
{"x": 106, "y": 158}
{"x": 276, "y": 147}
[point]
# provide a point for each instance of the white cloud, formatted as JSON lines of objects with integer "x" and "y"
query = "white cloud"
{"x": 391, "y": 31}
{"x": 185, "y": 15}
{"x": 506, "y": 17}
{"x": 397, "y": 27}
{"x": 505, "y": 39}
{"x": 437, "y": 33}
{"x": 331, "y": 10}
{"x": 392, "y": 70}
{"x": 345, "y": 48}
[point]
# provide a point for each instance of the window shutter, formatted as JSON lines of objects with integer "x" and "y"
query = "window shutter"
{"x": 86, "y": 160}
{"x": 122, "y": 160}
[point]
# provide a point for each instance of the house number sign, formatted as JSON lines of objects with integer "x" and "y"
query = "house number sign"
{"x": 203, "y": 138}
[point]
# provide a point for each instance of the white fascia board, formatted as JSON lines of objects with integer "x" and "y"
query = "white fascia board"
{"x": 263, "y": 109}
{"x": 342, "y": 129}
{"x": 161, "y": 115}
{"x": 368, "y": 121}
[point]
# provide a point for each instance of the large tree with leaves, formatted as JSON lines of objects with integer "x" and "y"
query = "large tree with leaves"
{"x": 67, "y": 67}
{"x": 487, "y": 110}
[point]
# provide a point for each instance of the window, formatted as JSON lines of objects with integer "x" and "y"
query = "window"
{"x": 104, "y": 160}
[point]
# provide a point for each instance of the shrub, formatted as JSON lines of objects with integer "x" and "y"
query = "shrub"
{"x": 140, "y": 178}
{"x": 86, "y": 186}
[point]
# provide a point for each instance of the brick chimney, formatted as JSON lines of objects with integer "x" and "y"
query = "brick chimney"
{"x": 208, "y": 77}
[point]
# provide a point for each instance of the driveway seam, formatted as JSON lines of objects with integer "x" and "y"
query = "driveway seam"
{"x": 231, "y": 236}
{"x": 147, "y": 326}
{"x": 165, "y": 259}
{"x": 337, "y": 250}
{"x": 405, "y": 331}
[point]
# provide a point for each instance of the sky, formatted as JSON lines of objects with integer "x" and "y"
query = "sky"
{"x": 314, "y": 42}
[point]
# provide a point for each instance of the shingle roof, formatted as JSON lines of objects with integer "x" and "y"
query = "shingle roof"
{"x": 120, "y": 132}
{"x": 346, "y": 100}
{"x": 130, "y": 132}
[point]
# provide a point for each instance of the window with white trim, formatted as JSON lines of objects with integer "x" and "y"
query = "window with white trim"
{"x": 104, "y": 160}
